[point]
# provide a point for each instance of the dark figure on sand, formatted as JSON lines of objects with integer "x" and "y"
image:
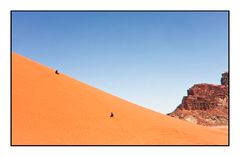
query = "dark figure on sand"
{"x": 111, "y": 114}
{"x": 56, "y": 72}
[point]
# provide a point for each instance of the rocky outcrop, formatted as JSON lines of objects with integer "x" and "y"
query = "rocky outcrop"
{"x": 205, "y": 104}
{"x": 224, "y": 79}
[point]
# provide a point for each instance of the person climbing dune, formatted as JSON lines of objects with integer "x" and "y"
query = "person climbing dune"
{"x": 56, "y": 72}
{"x": 111, "y": 114}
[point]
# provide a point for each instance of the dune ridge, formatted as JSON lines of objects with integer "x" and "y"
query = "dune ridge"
{"x": 50, "y": 109}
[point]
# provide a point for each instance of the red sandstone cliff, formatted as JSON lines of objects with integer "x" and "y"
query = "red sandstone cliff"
{"x": 205, "y": 104}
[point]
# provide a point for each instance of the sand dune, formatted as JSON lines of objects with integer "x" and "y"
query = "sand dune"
{"x": 50, "y": 109}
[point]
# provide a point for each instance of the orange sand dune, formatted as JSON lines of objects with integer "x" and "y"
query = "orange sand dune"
{"x": 50, "y": 109}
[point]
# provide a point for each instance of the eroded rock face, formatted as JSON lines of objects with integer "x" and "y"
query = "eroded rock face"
{"x": 205, "y": 104}
{"x": 224, "y": 79}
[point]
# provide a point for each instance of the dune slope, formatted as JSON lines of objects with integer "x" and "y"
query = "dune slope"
{"x": 50, "y": 109}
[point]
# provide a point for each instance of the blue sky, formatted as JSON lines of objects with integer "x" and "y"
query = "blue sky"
{"x": 149, "y": 58}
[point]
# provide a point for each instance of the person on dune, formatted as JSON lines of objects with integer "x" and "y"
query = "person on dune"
{"x": 56, "y": 72}
{"x": 111, "y": 114}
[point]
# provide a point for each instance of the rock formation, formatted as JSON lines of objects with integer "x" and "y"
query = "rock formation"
{"x": 205, "y": 104}
{"x": 224, "y": 79}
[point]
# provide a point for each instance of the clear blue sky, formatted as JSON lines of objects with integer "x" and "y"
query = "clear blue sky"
{"x": 148, "y": 58}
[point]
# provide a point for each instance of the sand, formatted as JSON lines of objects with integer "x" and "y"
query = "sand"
{"x": 51, "y": 109}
